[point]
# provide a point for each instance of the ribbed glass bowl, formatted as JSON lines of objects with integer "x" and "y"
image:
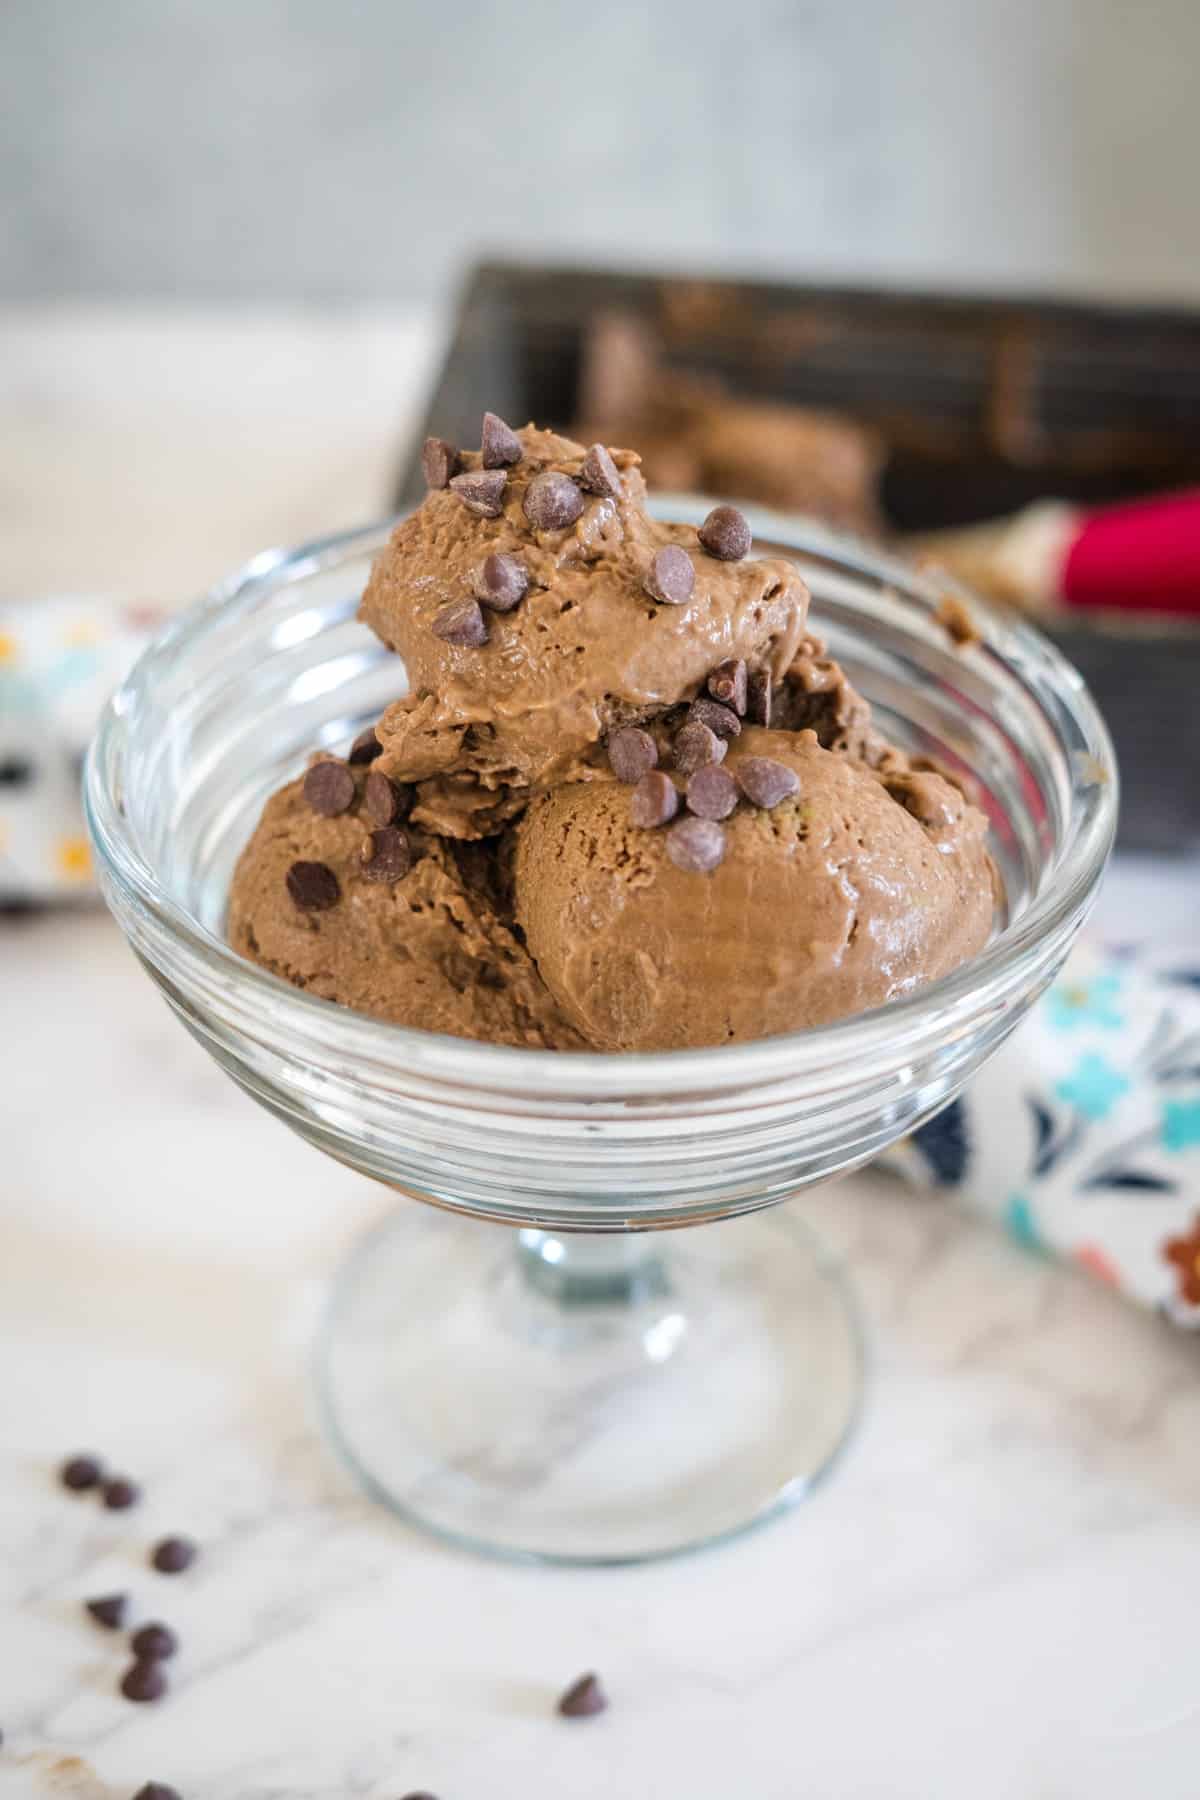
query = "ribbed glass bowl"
{"x": 229, "y": 702}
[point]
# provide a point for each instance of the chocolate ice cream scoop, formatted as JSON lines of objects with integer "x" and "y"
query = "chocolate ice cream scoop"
{"x": 827, "y": 900}
{"x": 406, "y": 927}
{"x": 589, "y": 647}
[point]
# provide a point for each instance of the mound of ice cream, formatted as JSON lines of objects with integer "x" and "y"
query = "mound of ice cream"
{"x": 626, "y": 803}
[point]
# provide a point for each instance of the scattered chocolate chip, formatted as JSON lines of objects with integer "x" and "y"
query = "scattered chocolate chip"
{"x": 696, "y": 745}
{"x": 423, "y": 1795}
{"x": 144, "y": 1680}
{"x": 725, "y": 534}
{"x": 501, "y": 582}
{"x": 481, "y": 491}
{"x": 385, "y": 800}
{"x": 365, "y": 748}
{"x": 499, "y": 445}
{"x": 696, "y": 845}
{"x": 764, "y": 781}
{"x": 632, "y": 753}
{"x": 156, "y": 1790}
{"x": 585, "y": 1697}
{"x": 153, "y": 1643}
{"x": 552, "y": 501}
{"x": 758, "y": 697}
{"x": 329, "y": 789}
{"x": 119, "y": 1493}
{"x": 81, "y": 1472}
{"x": 461, "y": 623}
{"x": 387, "y": 855}
{"x": 599, "y": 474}
{"x": 439, "y": 461}
{"x": 671, "y": 577}
{"x": 172, "y": 1555}
{"x": 712, "y": 793}
{"x": 653, "y": 801}
{"x": 722, "y": 720}
{"x": 109, "y": 1610}
{"x": 313, "y": 886}
{"x": 15, "y": 771}
{"x": 727, "y": 683}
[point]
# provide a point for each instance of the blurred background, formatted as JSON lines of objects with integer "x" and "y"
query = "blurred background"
{"x": 294, "y": 150}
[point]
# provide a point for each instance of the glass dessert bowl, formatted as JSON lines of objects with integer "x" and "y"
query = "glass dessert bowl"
{"x": 581, "y": 1388}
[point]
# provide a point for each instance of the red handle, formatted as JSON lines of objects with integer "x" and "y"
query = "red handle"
{"x": 1144, "y": 556}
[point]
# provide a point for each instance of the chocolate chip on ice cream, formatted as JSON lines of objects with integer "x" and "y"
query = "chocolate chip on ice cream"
{"x": 671, "y": 576}
{"x": 313, "y": 886}
{"x": 758, "y": 697}
{"x": 481, "y": 491}
{"x": 386, "y": 855}
{"x": 365, "y": 748}
{"x": 552, "y": 501}
{"x": 329, "y": 788}
{"x": 712, "y": 793}
{"x": 721, "y": 720}
{"x": 632, "y": 753}
{"x": 654, "y": 801}
{"x": 696, "y": 745}
{"x": 501, "y": 582}
{"x": 728, "y": 684}
{"x": 725, "y": 534}
{"x": 500, "y": 446}
{"x": 384, "y": 800}
{"x": 439, "y": 461}
{"x": 599, "y": 474}
{"x": 696, "y": 845}
{"x": 461, "y": 623}
{"x": 766, "y": 782}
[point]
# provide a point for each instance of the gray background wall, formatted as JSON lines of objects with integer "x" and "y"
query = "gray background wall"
{"x": 305, "y": 149}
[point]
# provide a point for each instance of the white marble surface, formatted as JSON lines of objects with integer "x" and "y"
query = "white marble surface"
{"x": 994, "y": 1597}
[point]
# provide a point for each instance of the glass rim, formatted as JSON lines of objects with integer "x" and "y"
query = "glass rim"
{"x": 947, "y": 1004}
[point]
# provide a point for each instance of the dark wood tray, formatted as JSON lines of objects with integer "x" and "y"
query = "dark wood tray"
{"x": 985, "y": 404}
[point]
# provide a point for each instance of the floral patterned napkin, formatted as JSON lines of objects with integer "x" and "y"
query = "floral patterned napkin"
{"x": 1082, "y": 1135}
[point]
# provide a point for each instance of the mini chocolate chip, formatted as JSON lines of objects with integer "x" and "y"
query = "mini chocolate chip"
{"x": 461, "y": 623}
{"x": 500, "y": 446}
{"x": 585, "y": 1697}
{"x": 153, "y": 1643}
{"x": 727, "y": 683}
{"x": 81, "y": 1472}
{"x": 172, "y": 1555}
{"x": 15, "y": 771}
{"x": 671, "y": 577}
{"x": 156, "y": 1790}
{"x": 696, "y": 745}
{"x": 385, "y": 800}
{"x": 481, "y": 491}
{"x": 764, "y": 781}
{"x": 109, "y": 1610}
{"x": 552, "y": 501}
{"x": 500, "y": 582}
{"x": 725, "y": 534}
{"x": 720, "y": 719}
{"x": 119, "y": 1493}
{"x": 365, "y": 748}
{"x": 439, "y": 461}
{"x": 313, "y": 886}
{"x": 758, "y": 697}
{"x": 599, "y": 474}
{"x": 329, "y": 789}
{"x": 696, "y": 845}
{"x": 387, "y": 855}
{"x": 712, "y": 793}
{"x": 653, "y": 801}
{"x": 423, "y": 1795}
{"x": 632, "y": 753}
{"x": 144, "y": 1680}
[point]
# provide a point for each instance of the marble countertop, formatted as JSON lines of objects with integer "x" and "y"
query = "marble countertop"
{"x": 993, "y": 1597}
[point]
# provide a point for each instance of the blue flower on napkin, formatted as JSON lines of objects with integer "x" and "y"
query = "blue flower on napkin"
{"x": 1181, "y": 1124}
{"x": 1081, "y": 1002}
{"x": 1093, "y": 1087}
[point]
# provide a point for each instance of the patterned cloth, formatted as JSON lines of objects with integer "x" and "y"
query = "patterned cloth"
{"x": 59, "y": 661}
{"x": 1082, "y": 1135}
